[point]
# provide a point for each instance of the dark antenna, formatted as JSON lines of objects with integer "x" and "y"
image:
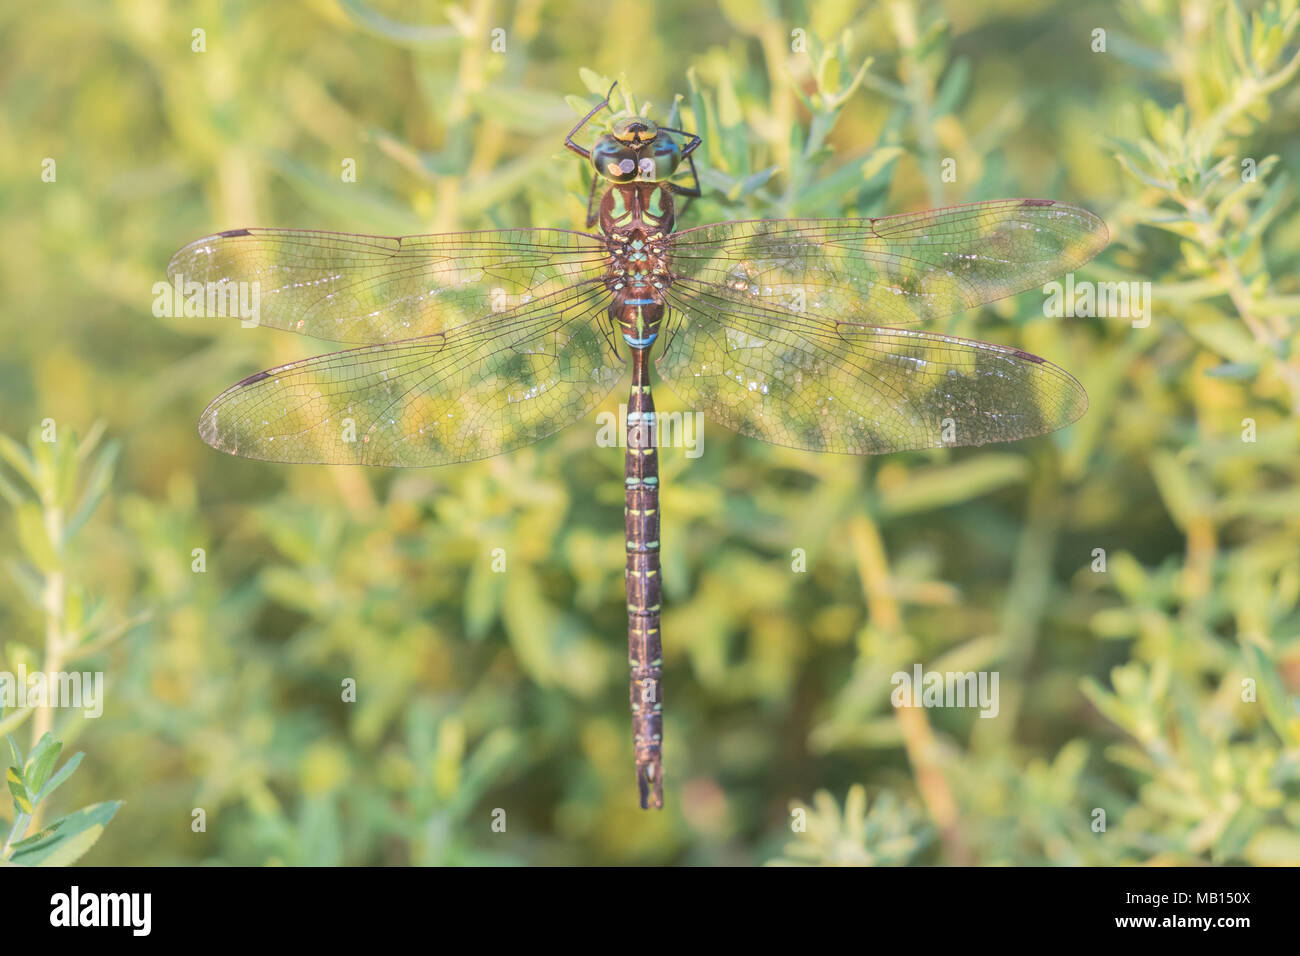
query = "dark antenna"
{"x": 568, "y": 140}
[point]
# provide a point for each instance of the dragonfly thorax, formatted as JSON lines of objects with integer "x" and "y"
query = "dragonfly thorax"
{"x": 643, "y": 207}
{"x": 636, "y": 220}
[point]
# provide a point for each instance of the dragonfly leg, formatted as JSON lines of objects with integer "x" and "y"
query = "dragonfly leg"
{"x": 568, "y": 140}
{"x": 687, "y": 192}
{"x": 593, "y": 212}
{"x": 693, "y": 191}
{"x": 692, "y": 141}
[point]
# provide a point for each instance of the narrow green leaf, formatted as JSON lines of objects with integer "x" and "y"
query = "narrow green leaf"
{"x": 97, "y": 485}
{"x": 953, "y": 87}
{"x": 63, "y": 774}
{"x": 1272, "y": 694}
{"x": 66, "y": 840}
{"x": 415, "y": 36}
{"x": 87, "y": 445}
{"x": 1235, "y": 371}
{"x": 34, "y": 539}
{"x": 22, "y": 799}
{"x": 28, "y": 581}
{"x": 595, "y": 82}
{"x": 10, "y": 492}
{"x": 20, "y": 460}
{"x": 752, "y": 183}
{"x": 930, "y": 488}
{"x": 881, "y": 157}
{"x": 41, "y": 762}
{"x": 13, "y": 721}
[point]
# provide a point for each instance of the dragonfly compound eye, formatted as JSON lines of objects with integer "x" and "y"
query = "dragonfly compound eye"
{"x": 665, "y": 156}
{"x": 614, "y": 160}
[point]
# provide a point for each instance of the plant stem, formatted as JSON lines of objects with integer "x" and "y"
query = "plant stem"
{"x": 917, "y": 85}
{"x": 470, "y": 75}
{"x": 16, "y": 833}
{"x": 923, "y": 750}
{"x": 53, "y": 600}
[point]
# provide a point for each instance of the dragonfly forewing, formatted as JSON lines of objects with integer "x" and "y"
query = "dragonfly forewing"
{"x": 478, "y": 390}
{"x": 896, "y": 270}
{"x": 370, "y": 289}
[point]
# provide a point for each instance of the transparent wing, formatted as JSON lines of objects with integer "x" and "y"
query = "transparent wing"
{"x": 365, "y": 289}
{"x": 483, "y": 388}
{"x": 898, "y": 270}
{"x": 805, "y": 382}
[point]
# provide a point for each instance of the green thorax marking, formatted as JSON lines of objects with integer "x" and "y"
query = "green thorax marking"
{"x": 627, "y": 207}
{"x": 619, "y": 213}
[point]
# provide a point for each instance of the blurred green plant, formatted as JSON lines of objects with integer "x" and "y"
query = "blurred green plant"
{"x": 1210, "y": 700}
{"x": 889, "y": 834}
{"x": 60, "y": 484}
{"x": 1203, "y": 187}
{"x": 65, "y": 481}
{"x": 1122, "y": 688}
{"x": 31, "y": 782}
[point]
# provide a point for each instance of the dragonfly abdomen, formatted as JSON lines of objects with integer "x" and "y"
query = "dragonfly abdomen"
{"x": 638, "y": 317}
{"x": 644, "y": 642}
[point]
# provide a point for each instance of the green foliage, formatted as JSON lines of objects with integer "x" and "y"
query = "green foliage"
{"x": 890, "y": 834}
{"x": 31, "y": 782}
{"x": 59, "y": 484}
{"x": 1161, "y": 691}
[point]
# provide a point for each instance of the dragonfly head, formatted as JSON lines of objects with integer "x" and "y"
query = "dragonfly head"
{"x": 636, "y": 150}
{"x": 634, "y": 131}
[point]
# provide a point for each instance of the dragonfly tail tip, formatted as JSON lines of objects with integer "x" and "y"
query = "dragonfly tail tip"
{"x": 649, "y": 778}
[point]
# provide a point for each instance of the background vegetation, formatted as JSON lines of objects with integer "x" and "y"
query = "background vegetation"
{"x": 1121, "y": 690}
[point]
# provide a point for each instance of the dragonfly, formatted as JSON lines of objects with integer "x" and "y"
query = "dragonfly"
{"x": 804, "y": 333}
